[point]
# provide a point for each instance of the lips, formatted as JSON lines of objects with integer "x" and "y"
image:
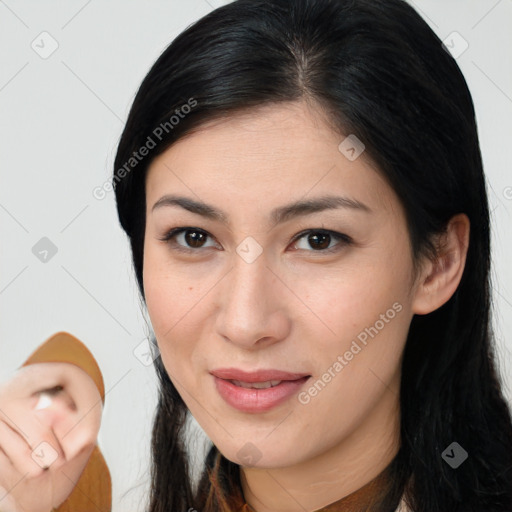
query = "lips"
{"x": 259, "y": 391}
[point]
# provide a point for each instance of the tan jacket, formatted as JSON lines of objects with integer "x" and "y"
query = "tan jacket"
{"x": 334, "y": 508}
{"x": 367, "y": 498}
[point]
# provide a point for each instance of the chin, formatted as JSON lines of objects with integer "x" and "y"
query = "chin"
{"x": 260, "y": 455}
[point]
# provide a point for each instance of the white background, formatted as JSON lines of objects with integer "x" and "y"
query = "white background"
{"x": 61, "y": 118}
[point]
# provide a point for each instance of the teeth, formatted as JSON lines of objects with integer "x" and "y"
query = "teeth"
{"x": 256, "y": 385}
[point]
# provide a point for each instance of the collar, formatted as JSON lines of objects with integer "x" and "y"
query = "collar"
{"x": 371, "y": 497}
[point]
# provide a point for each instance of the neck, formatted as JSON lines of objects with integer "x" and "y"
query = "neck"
{"x": 317, "y": 482}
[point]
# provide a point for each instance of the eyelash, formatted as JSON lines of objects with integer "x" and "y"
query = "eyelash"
{"x": 343, "y": 239}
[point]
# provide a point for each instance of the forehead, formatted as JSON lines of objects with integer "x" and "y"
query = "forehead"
{"x": 266, "y": 154}
{"x": 272, "y": 134}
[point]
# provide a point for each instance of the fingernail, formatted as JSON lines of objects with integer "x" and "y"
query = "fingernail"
{"x": 44, "y": 401}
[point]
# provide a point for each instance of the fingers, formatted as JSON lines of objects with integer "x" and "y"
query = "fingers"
{"x": 65, "y": 380}
{"x": 21, "y": 456}
{"x": 50, "y": 415}
{"x": 76, "y": 410}
{"x": 56, "y": 408}
{"x": 7, "y": 502}
{"x": 70, "y": 423}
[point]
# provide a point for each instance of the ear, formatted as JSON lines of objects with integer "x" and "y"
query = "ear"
{"x": 440, "y": 277}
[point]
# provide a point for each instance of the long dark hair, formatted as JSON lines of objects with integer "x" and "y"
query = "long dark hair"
{"x": 378, "y": 71}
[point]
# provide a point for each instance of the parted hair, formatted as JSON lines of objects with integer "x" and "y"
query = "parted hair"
{"x": 376, "y": 70}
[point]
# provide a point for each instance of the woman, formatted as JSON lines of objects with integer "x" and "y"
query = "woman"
{"x": 302, "y": 187}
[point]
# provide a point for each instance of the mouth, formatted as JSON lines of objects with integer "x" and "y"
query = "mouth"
{"x": 256, "y": 385}
{"x": 257, "y": 376}
{"x": 258, "y": 391}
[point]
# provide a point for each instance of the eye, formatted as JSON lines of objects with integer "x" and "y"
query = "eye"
{"x": 320, "y": 240}
{"x": 188, "y": 239}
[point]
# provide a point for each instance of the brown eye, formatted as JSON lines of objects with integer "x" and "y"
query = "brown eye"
{"x": 319, "y": 240}
{"x": 194, "y": 238}
{"x": 187, "y": 239}
{"x": 322, "y": 241}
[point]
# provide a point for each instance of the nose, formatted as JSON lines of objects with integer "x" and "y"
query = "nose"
{"x": 253, "y": 305}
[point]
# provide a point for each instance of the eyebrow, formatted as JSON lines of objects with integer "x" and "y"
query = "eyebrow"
{"x": 277, "y": 216}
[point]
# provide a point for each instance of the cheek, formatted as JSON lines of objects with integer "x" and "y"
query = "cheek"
{"x": 345, "y": 300}
{"x": 175, "y": 303}
{"x": 363, "y": 314}
{"x": 356, "y": 369}
{"x": 162, "y": 289}
{"x": 363, "y": 333}
{"x": 160, "y": 304}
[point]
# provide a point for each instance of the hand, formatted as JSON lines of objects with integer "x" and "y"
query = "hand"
{"x": 50, "y": 415}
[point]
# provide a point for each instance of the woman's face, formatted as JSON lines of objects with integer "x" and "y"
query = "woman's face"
{"x": 323, "y": 290}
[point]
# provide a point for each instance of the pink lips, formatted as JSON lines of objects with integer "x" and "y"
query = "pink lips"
{"x": 257, "y": 400}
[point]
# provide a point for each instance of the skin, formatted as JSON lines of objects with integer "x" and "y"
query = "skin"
{"x": 295, "y": 308}
{"x": 68, "y": 418}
